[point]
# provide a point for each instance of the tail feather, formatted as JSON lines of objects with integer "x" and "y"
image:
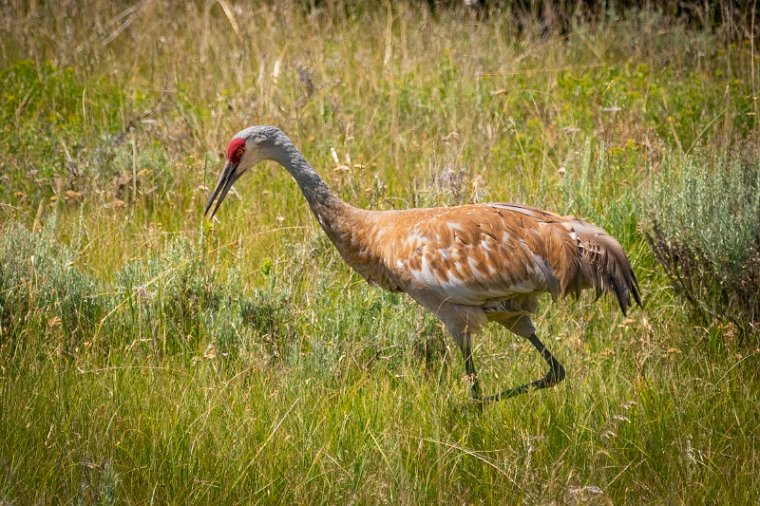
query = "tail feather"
{"x": 604, "y": 265}
{"x": 584, "y": 256}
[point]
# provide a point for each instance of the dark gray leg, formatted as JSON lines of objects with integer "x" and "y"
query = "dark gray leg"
{"x": 463, "y": 340}
{"x": 555, "y": 375}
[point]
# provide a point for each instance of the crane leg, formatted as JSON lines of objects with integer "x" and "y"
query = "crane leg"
{"x": 555, "y": 375}
{"x": 463, "y": 340}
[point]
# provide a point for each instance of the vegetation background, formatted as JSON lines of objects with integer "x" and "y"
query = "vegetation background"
{"x": 148, "y": 356}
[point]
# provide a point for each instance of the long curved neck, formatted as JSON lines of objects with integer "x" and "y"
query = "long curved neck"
{"x": 353, "y": 231}
{"x": 334, "y": 215}
{"x": 317, "y": 193}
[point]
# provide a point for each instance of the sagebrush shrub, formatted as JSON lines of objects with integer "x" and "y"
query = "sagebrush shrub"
{"x": 39, "y": 285}
{"x": 704, "y": 228}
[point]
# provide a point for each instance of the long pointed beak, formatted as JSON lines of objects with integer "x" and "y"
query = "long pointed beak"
{"x": 226, "y": 180}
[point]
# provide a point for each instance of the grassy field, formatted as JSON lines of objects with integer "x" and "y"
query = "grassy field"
{"x": 149, "y": 356}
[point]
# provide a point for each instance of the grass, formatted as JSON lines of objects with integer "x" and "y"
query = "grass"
{"x": 148, "y": 356}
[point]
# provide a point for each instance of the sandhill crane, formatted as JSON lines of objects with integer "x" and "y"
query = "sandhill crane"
{"x": 467, "y": 265}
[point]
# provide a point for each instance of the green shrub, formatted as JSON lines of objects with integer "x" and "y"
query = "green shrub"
{"x": 39, "y": 286}
{"x": 704, "y": 228}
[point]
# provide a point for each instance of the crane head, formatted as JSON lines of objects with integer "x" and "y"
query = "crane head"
{"x": 246, "y": 148}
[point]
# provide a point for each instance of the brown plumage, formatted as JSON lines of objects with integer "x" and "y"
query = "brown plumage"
{"x": 467, "y": 265}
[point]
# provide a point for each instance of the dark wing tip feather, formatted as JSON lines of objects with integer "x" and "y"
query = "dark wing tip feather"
{"x": 634, "y": 287}
{"x": 621, "y": 292}
{"x": 627, "y": 286}
{"x": 606, "y": 265}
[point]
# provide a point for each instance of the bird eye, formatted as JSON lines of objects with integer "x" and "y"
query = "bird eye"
{"x": 239, "y": 153}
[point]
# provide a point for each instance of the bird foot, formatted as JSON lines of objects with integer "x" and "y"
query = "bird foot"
{"x": 554, "y": 376}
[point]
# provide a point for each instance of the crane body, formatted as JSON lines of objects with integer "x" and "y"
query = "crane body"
{"x": 467, "y": 265}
